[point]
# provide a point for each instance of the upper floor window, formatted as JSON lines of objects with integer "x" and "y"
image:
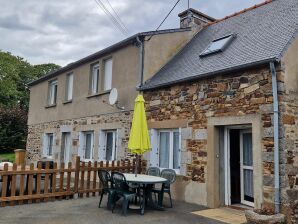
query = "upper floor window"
{"x": 69, "y": 87}
{"x": 108, "y": 71}
{"x": 94, "y": 83}
{"x": 52, "y": 92}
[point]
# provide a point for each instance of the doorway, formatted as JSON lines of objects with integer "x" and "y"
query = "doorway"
{"x": 239, "y": 166}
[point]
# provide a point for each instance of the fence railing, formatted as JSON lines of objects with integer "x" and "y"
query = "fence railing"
{"x": 28, "y": 184}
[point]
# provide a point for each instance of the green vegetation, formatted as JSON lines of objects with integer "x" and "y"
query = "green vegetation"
{"x": 15, "y": 74}
{"x": 7, "y": 156}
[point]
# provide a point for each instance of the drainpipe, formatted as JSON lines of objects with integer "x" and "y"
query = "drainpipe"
{"x": 141, "y": 59}
{"x": 276, "y": 139}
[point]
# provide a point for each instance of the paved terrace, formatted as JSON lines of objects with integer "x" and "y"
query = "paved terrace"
{"x": 86, "y": 211}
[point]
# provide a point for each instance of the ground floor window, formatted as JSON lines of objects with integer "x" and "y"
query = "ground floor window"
{"x": 86, "y": 145}
{"x": 107, "y": 145}
{"x": 166, "y": 148}
{"x": 65, "y": 155}
{"x": 48, "y": 144}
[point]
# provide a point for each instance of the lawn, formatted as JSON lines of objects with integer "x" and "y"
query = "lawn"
{"x": 7, "y": 156}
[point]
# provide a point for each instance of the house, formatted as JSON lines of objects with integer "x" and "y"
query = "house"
{"x": 69, "y": 111}
{"x": 223, "y": 112}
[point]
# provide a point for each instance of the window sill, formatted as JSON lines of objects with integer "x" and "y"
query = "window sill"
{"x": 49, "y": 106}
{"x": 99, "y": 94}
{"x": 67, "y": 101}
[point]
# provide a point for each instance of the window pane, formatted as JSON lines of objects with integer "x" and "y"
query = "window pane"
{"x": 88, "y": 146}
{"x": 176, "y": 163}
{"x": 69, "y": 87}
{"x": 164, "y": 149}
{"x": 108, "y": 74}
{"x": 247, "y": 149}
{"x": 95, "y": 79}
{"x": 50, "y": 144}
{"x": 248, "y": 185}
{"x": 109, "y": 146}
{"x": 52, "y": 92}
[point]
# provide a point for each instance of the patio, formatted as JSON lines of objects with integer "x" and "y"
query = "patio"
{"x": 85, "y": 210}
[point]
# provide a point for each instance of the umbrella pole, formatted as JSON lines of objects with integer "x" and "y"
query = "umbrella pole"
{"x": 136, "y": 166}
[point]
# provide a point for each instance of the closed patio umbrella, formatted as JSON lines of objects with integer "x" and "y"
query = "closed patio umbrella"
{"x": 139, "y": 141}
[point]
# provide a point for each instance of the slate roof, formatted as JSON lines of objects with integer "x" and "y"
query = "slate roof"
{"x": 263, "y": 35}
{"x": 108, "y": 50}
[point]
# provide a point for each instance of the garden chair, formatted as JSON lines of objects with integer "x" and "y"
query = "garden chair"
{"x": 153, "y": 171}
{"x": 170, "y": 175}
{"x": 122, "y": 191}
{"x": 107, "y": 186}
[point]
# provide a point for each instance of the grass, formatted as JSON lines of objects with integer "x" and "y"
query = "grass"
{"x": 7, "y": 156}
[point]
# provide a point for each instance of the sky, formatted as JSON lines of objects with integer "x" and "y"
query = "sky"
{"x": 63, "y": 31}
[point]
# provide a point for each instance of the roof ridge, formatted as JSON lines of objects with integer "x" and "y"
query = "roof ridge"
{"x": 239, "y": 12}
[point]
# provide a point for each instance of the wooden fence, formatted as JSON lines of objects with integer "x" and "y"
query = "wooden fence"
{"x": 28, "y": 184}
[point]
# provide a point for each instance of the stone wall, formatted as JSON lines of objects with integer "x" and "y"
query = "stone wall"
{"x": 238, "y": 94}
{"x": 117, "y": 121}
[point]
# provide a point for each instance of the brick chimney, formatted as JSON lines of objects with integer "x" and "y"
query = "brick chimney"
{"x": 193, "y": 18}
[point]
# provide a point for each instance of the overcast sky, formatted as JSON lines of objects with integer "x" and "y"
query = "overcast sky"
{"x": 62, "y": 31}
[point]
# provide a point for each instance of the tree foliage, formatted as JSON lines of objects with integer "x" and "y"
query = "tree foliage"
{"x": 15, "y": 74}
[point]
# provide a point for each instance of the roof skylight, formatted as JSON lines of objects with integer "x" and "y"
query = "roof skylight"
{"x": 218, "y": 45}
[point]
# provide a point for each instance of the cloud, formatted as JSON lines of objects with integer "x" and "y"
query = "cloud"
{"x": 64, "y": 31}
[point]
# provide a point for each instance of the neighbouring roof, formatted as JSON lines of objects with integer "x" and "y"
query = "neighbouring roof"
{"x": 263, "y": 33}
{"x": 108, "y": 50}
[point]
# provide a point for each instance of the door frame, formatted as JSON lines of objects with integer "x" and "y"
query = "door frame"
{"x": 244, "y": 167}
{"x": 227, "y": 165}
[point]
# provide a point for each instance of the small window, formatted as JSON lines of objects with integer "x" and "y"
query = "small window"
{"x": 52, "y": 93}
{"x": 48, "y": 144}
{"x": 108, "y": 70}
{"x": 218, "y": 45}
{"x": 94, "y": 84}
{"x": 69, "y": 87}
{"x": 86, "y": 145}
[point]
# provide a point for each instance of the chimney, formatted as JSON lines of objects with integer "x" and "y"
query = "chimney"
{"x": 194, "y": 19}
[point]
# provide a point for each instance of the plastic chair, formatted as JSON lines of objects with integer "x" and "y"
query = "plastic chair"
{"x": 121, "y": 188}
{"x": 153, "y": 171}
{"x": 170, "y": 175}
{"x": 107, "y": 186}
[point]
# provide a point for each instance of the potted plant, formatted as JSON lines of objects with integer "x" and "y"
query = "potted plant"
{"x": 263, "y": 216}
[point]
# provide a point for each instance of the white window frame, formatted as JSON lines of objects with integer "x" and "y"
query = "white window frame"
{"x": 95, "y": 78}
{"x": 103, "y": 145}
{"x": 69, "y": 87}
{"x": 46, "y": 142}
{"x": 82, "y": 147}
{"x": 52, "y": 92}
{"x": 108, "y": 74}
{"x": 155, "y": 133}
{"x": 67, "y": 149}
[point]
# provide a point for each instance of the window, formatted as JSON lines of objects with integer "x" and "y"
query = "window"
{"x": 218, "y": 45}
{"x": 86, "y": 145}
{"x": 94, "y": 84}
{"x": 48, "y": 144}
{"x": 166, "y": 146}
{"x": 108, "y": 70}
{"x": 52, "y": 92}
{"x": 69, "y": 87}
{"x": 107, "y": 145}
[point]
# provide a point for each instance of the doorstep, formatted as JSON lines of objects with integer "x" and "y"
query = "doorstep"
{"x": 224, "y": 214}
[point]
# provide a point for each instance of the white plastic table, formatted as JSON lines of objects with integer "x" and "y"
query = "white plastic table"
{"x": 147, "y": 182}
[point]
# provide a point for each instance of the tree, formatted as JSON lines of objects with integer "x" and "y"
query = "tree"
{"x": 15, "y": 74}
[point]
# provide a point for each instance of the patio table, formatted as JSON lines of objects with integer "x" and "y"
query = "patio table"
{"x": 147, "y": 182}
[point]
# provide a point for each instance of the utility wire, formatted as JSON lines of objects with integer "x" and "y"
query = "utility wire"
{"x": 113, "y": 19}
{"x": 165, "y": 19}
{"x": 117, "y": 15}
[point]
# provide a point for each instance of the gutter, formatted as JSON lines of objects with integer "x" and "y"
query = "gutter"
{"x": 276, "y": 139}
{"x": 140, "y": 44}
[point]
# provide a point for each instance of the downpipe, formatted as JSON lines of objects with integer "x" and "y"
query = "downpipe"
{"x": 276, "y": 139}
{"x": 141, "y": 60}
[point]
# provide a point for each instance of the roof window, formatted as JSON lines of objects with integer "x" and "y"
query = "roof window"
{"x": 218, "y": 45}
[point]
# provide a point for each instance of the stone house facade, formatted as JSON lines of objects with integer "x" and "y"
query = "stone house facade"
{"x": 226, "y": 116}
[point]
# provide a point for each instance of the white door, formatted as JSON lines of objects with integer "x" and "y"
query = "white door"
{"x": 66, "y": 147}
{"x": 246, "y": 167}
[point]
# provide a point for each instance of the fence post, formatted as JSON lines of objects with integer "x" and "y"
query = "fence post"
{"x": 77, "y": 173}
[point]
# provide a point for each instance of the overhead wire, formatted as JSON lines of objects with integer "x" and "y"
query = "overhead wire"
{"x": 117, "y": 15}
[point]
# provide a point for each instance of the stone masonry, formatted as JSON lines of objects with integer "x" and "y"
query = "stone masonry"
{"x": 239, "y": 94}
{"x": 120, "y": 121}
